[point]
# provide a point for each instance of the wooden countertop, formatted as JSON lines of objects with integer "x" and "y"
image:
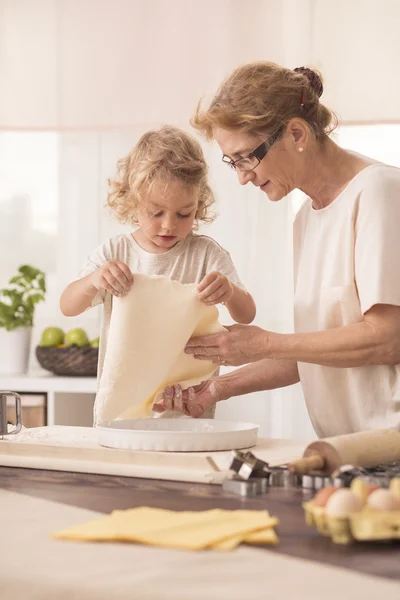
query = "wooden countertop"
{"x": 105, "y": 493}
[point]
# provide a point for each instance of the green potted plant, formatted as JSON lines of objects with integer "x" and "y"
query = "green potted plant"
{"x": 18, "y": 301}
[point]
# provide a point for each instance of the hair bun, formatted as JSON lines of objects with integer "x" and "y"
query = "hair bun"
{"x": 313, "y": 78}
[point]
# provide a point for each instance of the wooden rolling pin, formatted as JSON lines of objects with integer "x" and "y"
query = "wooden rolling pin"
{"x": 363, "y": 449}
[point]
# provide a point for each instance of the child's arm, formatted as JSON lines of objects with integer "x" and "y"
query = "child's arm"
{"x": 114, "y": 277}
{"x": 241, "y": 306}
{"x": 216, "y": 288}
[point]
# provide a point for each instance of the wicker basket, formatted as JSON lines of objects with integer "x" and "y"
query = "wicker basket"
{"x": 70, "y": 360}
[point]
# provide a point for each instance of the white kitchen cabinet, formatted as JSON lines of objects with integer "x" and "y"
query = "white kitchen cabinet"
{"x": 69, "y": 399}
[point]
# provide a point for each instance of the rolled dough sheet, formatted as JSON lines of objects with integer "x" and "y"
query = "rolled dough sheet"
{"x": 149, "y": 329}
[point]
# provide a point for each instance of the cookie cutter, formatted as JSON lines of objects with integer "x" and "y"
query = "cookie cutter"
{"x": 253, "y": 476}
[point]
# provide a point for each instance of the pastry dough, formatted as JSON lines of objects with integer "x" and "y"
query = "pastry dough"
{"x": 217, "y": 528}
{"x": 149, "y": 329}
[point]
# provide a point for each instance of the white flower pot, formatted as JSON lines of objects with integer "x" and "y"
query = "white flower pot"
{"x": 14, "y": 350}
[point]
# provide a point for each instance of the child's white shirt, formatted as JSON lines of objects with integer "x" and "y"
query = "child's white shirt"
{"x": 189, "y": 261}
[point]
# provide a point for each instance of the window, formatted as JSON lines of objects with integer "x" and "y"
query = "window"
{"x": 28, "y": 201}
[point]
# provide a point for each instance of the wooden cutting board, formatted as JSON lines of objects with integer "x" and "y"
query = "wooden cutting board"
{"x": 75, "y": 449}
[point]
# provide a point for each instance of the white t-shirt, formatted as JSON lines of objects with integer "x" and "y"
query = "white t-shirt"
{"x": 188, "y": 261}
{"x": 346, "y": 260}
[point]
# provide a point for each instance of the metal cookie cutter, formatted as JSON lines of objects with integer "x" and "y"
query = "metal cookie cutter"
{"x": 282, "y": 477}
{"x": 250, "y": 487}
{"x": 341, "y": 477}
{"x": 315, "y": 481}
{"x": 247, "y": 466}
{"x": 380, "y": 475}
{"x": 344, "y": 475}
{"x": 3, "y": 414}
{"x": 250, "y": 475}
{"x": 253, "y": 476}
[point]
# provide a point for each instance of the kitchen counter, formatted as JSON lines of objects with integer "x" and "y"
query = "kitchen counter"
{"x": 300, "y": 547}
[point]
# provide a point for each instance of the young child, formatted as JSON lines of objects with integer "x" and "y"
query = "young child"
{"x": 161, "y": 188}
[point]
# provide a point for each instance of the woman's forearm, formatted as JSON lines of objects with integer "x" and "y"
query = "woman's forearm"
{"x": 263, "y": 375}
{"x": 373, "y": 341}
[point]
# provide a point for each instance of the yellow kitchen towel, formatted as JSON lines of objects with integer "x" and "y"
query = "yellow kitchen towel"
{"x": 190, "y": 530}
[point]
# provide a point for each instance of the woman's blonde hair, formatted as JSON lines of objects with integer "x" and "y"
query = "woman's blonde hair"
{"x": 259, "y": 99}
{"x": 160, "y": 155}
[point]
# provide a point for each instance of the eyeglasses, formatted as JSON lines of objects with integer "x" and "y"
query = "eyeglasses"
{"x": 250, "y": 162}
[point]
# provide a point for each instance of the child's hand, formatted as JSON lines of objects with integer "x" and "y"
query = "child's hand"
{"x": 215, "y": 288}
{"x": 192, "y": 402}
{"x": 114, "y": 277}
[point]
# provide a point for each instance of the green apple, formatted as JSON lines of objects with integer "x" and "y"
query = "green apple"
{"x": 52, "y": 336}
{"x": 76, "y": 337}
{"x": 95, "y": 343}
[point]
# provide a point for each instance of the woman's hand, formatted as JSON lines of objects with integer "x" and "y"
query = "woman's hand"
{"x": 192, "y": 402}
{"x": 240, "y": 345}
{"x": 114, "y": 277}
{"x": 215, "y": 288}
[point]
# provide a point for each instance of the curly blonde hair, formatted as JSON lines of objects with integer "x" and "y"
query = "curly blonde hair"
{"x": 160, "y": 155}
{"x": 260, "y": 97}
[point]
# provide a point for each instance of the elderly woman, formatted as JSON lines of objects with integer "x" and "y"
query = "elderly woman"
{"x": 273, "y": 130}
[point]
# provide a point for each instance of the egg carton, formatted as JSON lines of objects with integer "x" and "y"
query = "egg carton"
{"x": 362, "y": 520}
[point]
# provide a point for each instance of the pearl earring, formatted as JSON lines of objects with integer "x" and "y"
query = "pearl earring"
{"x": 301, "y": 149}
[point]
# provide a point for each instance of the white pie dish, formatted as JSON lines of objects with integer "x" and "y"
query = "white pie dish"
{"x": 177, "y": 435}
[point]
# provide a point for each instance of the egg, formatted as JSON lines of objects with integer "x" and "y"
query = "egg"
{"x": 362, "y": 489}
{"x": 383, "y": 500}
{"x": 395, "y": 487}
{"x": 343, "y": 503}
{"x": 322, "y": 497}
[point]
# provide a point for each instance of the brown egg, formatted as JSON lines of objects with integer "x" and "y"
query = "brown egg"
{"x": 322, "y": 497}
